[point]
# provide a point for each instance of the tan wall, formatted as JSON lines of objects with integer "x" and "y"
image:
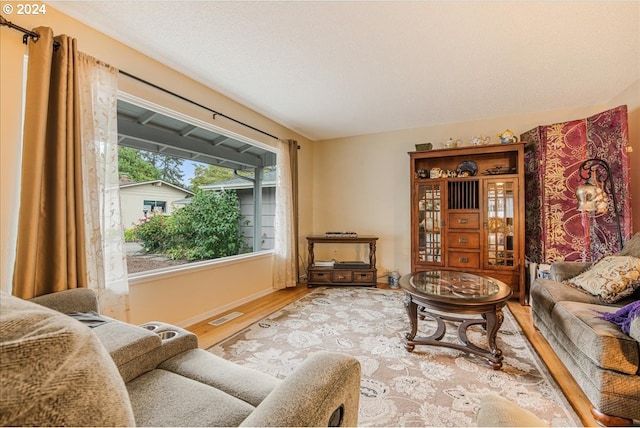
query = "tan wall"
{"x": 220, "y": 287}
{"x": 377, "y": 167}
{"x": 358, "y": 183}
{"x": 187, "y": 296}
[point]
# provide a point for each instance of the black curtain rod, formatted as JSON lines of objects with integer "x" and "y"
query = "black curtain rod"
{"x": 36, "y": 36}
{"x": 215, "y": 113}
{"x": 26, "y": 33}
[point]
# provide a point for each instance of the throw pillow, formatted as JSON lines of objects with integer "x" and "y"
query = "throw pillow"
{"x": 624, "y": 316}
{"x": 611, "y": 279}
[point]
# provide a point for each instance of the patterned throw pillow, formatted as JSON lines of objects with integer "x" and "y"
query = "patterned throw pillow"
{"x": 611, "y": 279}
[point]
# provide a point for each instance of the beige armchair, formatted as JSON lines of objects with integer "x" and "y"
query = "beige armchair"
{"x": 58, "y": 371}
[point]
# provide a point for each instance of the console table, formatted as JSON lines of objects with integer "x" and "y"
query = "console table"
{"x": 350, "y": 274}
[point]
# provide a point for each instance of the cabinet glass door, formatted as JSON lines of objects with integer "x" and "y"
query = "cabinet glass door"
{"x": 499, "y": 223}
{"x": 429, "y": 223}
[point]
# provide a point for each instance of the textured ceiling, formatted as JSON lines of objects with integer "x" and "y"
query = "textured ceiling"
{"x": 341, "y": 68}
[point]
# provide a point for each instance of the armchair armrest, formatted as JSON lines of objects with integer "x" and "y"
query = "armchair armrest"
{"x": 323, "y": 391}
{"x": 565, "y": 270}
{"x": 73, "y": 300}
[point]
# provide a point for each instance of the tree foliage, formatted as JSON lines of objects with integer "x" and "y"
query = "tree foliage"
{"x": 207, "y": 228}
{"x": 140, "y": 165}
{"x": 131, "y": 164}
{"x": 209, "y": 174}
{"x": 170, "y": 167}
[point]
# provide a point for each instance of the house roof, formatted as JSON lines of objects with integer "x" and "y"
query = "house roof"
{"x": 124, "y": 185}
{"x": 269, "y": 180}
{"x": 144, "y": 129}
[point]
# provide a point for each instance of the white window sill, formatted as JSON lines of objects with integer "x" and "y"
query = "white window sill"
{"x": 147, "y": 276}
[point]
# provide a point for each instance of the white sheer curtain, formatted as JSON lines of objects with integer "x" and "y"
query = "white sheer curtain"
{"x": 106, "y": 253}
{"x": 285, "y": 258}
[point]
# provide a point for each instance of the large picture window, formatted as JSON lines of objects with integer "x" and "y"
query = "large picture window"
{"x": 189, "y": 192}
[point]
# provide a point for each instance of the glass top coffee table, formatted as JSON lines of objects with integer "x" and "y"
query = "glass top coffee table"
{"x": 466, "y": 298}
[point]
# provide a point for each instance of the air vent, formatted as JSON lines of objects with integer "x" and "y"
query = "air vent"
{"x": 225, "y": 318}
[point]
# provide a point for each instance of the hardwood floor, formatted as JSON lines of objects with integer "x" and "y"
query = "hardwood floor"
{"x": 573, "y": 392}
{"x": 209, "y": 335}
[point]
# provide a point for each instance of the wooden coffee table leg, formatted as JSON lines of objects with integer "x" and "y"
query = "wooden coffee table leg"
{"x": 494, "y": 321}
{"x": 412, "y": 312}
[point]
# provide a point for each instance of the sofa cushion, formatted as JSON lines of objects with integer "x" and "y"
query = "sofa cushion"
{"x": 55, "y": 372}
{"x": 545, "y": 293}
{"x": 610, "y": 279}
{"x": 561, "y": 270}
{"x": 600, "y": 341}
{"x": 611, "y": 392}
{"x": 72, "y": 300}
{"x": 241, "y": 382}
{"x": 623, "y": 316}
{"x": 634, "y": 328}
{"x": 632, "y": 247}
{"x": 163, "y": 398}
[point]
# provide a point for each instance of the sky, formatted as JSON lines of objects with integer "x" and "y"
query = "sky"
{"x": 188, "y": 168}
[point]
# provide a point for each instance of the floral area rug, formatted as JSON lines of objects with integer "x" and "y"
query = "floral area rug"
{"x": 431, "y": 386}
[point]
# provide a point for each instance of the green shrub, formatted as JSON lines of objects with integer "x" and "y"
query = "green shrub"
{"x": 155, "y": 234}
{"x": 207, "y": 228}
{"x": 130, "y": 235}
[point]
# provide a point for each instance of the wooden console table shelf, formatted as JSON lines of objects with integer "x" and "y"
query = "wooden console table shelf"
{"x": 353, "y": 275}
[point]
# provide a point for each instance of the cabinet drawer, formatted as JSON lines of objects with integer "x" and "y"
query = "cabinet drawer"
{"x": 466, "y": 240}
{"x": 320, "y": 276}
{"x": 464, "y": 221}
{"x": 363, "y": 277}
{"x": 342, "y": 276}
{"x": 461, "y": 259}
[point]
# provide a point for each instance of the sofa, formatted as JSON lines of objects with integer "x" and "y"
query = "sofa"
{"x": 63, "y": 364}
{"x": 603, "y": 360}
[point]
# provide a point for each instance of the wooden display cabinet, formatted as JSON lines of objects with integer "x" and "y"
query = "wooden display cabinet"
{"x": 351, "y": 274}
{"x": 467, "y": 212}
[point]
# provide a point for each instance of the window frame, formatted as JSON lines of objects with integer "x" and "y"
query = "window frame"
{"x": 203, "y": 264}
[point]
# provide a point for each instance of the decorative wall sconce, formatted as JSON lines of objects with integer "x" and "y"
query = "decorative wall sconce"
{"x": 593, "y": 196}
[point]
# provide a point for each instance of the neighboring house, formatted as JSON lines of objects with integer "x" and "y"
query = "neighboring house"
{"x": 244, "y": 189}
{"x": 140, "y": 200}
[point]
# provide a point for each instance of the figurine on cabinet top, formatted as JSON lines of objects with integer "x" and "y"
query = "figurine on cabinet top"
{"x": 507, "y": 136}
